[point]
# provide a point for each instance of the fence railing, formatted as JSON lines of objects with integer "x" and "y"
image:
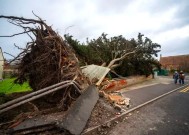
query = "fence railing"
{"x": 35, "y": 95}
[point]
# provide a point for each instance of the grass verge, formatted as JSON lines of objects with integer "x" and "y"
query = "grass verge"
{"x": 7, "y": 86}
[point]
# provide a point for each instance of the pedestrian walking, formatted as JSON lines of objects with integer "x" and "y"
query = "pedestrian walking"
{"x": 181, "y": 77}
{"x": 175, "y": 77}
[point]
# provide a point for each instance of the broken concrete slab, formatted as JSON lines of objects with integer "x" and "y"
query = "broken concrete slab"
{"x": 116, "y": 99}
{"x": 114, "y": 85}
{"x": 78, "y": 115}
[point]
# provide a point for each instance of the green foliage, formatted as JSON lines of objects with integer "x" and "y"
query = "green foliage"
{"x": 104, "y": 50}
{"x": 82, "y": 51}
{"x": 107, "y": 49}
{"x": 8, "y": 86}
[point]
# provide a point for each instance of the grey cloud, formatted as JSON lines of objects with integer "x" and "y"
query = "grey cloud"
{"x": 180, "y": 19}
{"x": 183, "y": 9}
{"x": 175, "y": 47}
{"x": 158, "y": 7}
{"x": 109, "y": 6}
{"x": 183, "y": 13}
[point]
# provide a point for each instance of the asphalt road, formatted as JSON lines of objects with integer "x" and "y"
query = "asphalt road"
{"x": 145, "y": 94}
{"x": 166, "y": 116}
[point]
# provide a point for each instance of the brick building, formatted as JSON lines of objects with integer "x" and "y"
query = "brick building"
{"x": 179, "y": 62}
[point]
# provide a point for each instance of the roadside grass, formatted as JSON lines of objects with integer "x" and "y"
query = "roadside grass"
{"x": 7, "y": 86}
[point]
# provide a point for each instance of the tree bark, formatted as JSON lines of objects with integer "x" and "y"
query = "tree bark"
{"x": 111, "y": 64}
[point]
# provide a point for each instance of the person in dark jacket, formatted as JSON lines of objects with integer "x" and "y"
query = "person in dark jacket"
{"x": 181, "y": 77}
{"x": 175, "y": 77}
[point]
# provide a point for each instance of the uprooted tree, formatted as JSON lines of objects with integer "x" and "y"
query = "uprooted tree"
{"x": 47, "y": 58}
{"x": 126, "y": 57}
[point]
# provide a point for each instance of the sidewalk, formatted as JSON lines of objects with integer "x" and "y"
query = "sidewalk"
{"x": 157, "y": 80}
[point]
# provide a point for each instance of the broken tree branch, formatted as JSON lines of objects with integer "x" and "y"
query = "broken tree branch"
{"x": 17, "y": 34}
{"x": 23, "y": 20}
{"x": 118, "y": 59}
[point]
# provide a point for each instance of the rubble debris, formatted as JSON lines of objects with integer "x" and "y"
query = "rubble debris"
{"x": 110, "y": 91}
{"x": 103, "y": 94}
{"x": 127, "y": 102}
{"x": 130, "y": 114}
{"x": 114, "y": 85}
{"x": 102, "y": 112}
{"x": 117, "y": 107}
{"x": 96, "y": 74}
{"x": 116, "y": 122}
{"x": 115, "y": 98}
{"x": 108, "y": 124}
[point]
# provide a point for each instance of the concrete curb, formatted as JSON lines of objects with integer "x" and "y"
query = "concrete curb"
{"x": 92, "y": 129}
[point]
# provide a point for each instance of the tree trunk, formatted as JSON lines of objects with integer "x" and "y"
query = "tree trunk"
{"x": 112, "y": 64}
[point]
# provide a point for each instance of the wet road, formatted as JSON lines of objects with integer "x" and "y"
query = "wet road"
{"x": 166, "y": 116}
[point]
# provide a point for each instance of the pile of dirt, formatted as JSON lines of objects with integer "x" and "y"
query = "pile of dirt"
{"x": 102, "y": 112}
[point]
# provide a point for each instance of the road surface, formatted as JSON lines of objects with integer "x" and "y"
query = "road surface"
{"x": 166, "y": 116}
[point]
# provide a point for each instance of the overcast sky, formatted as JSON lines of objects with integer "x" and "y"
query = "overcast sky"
{"x": 165, "y": 22}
